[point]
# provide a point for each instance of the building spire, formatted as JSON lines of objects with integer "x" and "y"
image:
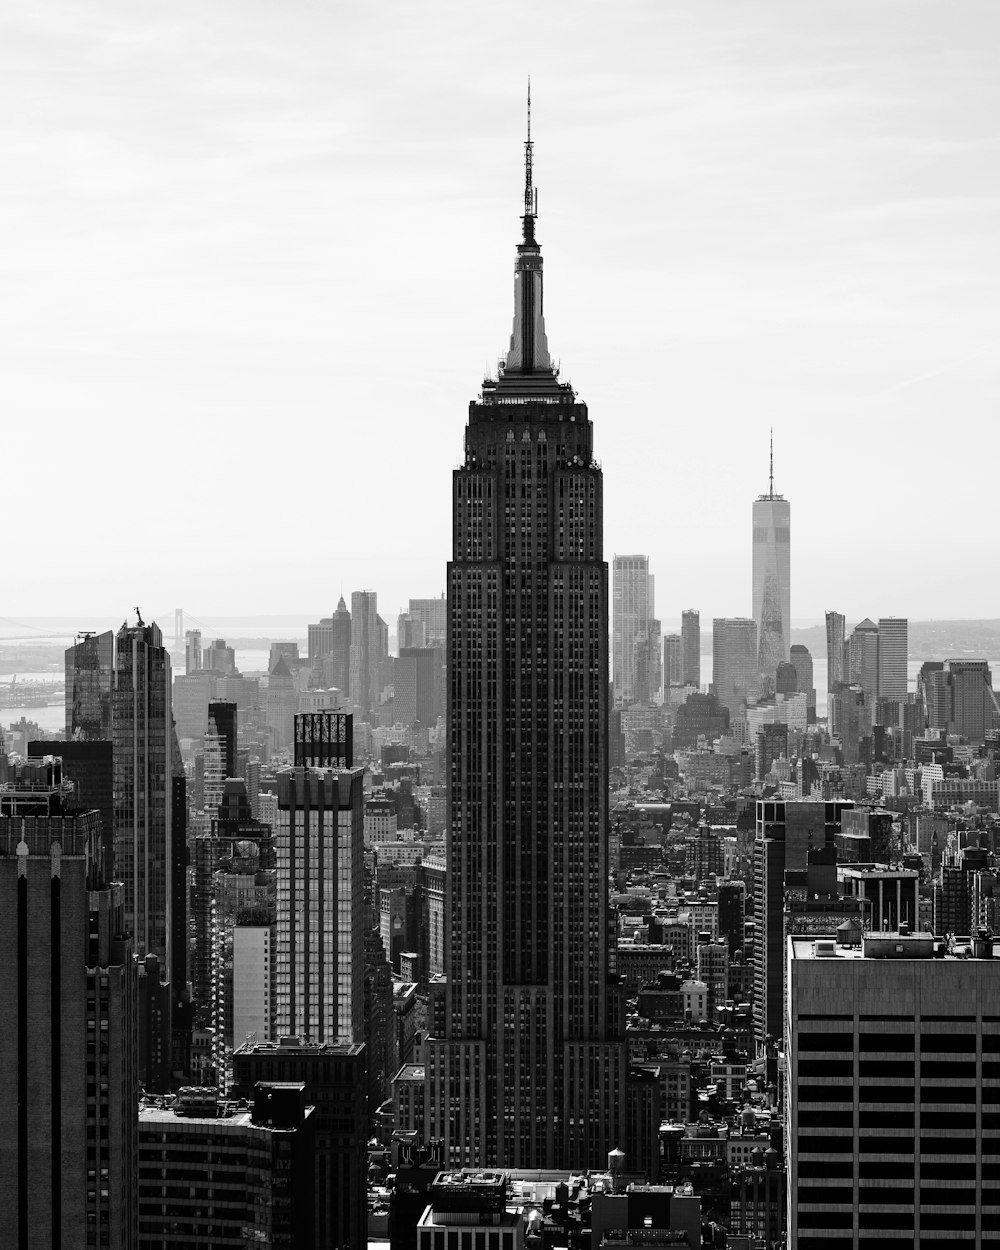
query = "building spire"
{"x": 771, "y": 489}
{"x": 530, "y": 194}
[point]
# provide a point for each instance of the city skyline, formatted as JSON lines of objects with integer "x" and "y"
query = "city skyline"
{"x": 494, "y": 919}
{"x": 199, "y": 266}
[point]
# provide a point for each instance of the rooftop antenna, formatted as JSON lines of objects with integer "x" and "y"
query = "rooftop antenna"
{"x": 771, "y": 492}
{"x": 530, "y": 194}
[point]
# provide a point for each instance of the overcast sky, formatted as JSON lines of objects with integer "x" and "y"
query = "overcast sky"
{"x": 257, "y": 257}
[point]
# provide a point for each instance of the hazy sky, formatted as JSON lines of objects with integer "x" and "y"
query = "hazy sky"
{"x": 257, "y": 257}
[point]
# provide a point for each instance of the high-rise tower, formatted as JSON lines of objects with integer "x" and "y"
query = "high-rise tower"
{"x": 530, "y": 1072}
{"x": 143, "y": 737}
{"x": 632, "y": 614}
{"x": 365, "y": 651}
{"x": 691, "y": 647}
{"x": 90, "y": 664}
{"x": 772, "y": 576}
{"x": 893, "y": 634}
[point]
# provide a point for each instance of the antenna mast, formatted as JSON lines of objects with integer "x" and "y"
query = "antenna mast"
{"x": 771, "y": 491}
{"x": 530, "y": 194}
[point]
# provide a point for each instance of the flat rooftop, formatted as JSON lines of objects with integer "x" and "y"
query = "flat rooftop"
{"x": 923, "y": 946}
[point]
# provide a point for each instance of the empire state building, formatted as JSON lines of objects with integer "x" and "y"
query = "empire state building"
{"x": 527, "y": 1065}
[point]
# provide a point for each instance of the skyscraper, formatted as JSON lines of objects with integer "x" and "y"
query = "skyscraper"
{"x": 219, "y": 658}
{"x": 891, "y": 1104}
{"x": 433, "y": 615}
{"x": 835, "y": 671}
{"x": 192, "y": 651}
{"x": 691, "y": 646}
{"x": 143, "y": 736}
{"x": 319, "y": 838}
{"x": 330, "y": 641}
{"x": 803, "y": 664}
{"x": 530, "y": 1072}
{"x": 673, "y": 660}
{"x": 892, "y": 652}
{"x": 772, "y": 576}
{"x": 365, "y": 652}
{"x": 90, "y": 666}
{"x": 632, "y": 588}
{"x": 973, "y": 707}
{"x": 68, "y": 988}
{"x": 224, "y": 713}
{"x": 734, "y": 661}
{"x": 862, "y": 657}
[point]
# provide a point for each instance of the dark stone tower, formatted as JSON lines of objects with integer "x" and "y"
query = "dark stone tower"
{"x": 530, "y": 1072}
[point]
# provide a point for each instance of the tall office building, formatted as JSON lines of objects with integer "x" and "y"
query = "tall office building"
{"x": 835, "y": 668}
{"x": 90, "y": 666}
{"x": 892, "y": 653}
{"x": 192, "y": 651}
{"x": 330, "y": 640}
{"x": 786, "y": 834}
{"x": 772, "y": 576}
{"x": 433, "y": 615}
{"x": 143, "y": 767}
{"x": 734, "y": 661}
{"x": 409, "y": 631}
{"x": 531, "y": 1070}
{"x": 892, "y": 1109}
{"x": 213, "y": 762}
{"x": 224, "y": 713}
{"x": 366, "y": 652}
{"x": 632, "y": 612}
{"x": 673, "y": 660}
{"x": 219, "y": 658}
{"x": 862, "y": 657}
{"x": 319, "y": 840}
{"x": 89, "y": 765}
{"x": 802, "y": 662}
{"x": 336, "y": 1085}
{"x": 972, "y": 704}
{"x": 691, "y": 647}
{"x": 280, "y": 703}
{"x": 254, "y": 1171}
{"x": 67, "y": 1046}
{"x": 419, "y": 685}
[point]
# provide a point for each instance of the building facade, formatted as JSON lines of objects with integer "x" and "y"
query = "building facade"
{"x": 336, "y": 1085}
{"x": 319, "y": 840}
{"x": 90, "y": 666}
{"x": 253, "y": 1173}
{"x": 892, "y": 1048}
{"x": 68, "y": 1042}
